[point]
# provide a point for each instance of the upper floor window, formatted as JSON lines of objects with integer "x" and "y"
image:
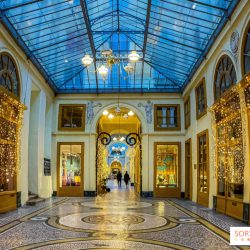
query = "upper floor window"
{"x": 225, "y": 76}
{"x": 246, "y": 51}
{"x": 201, "y": 99}
{"x": 9, "y": 78}
{"x": 71, "y": 117}
{"x": 187, "y": 112}
{"x": 167, "y": 117}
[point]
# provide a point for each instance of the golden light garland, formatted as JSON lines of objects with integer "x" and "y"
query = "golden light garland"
{"x": 11, "y": 116}
{"x": 230, "y": 134}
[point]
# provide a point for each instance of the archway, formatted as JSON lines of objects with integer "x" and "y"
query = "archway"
{"x": 118, "y": 143}
{"x": 115, "y": 167}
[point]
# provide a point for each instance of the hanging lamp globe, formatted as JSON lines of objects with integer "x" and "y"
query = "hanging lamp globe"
{"x": 103, "y": 70}
{"x": 129, "y": 68}
{"x": 133, "y": 56}
{"x": 87, "y": 60}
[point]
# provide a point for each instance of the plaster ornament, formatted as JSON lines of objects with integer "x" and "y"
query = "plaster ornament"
{"x": 148, "y": 109}
{"x": 90, "y": 110}
{"x": 234, "y": 42}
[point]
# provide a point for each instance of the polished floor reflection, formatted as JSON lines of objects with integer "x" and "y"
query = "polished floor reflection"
{"x": 118, "y": 220}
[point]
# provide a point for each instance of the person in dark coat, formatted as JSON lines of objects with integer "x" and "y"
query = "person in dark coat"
{"x": 119, "y": 178}
{"x": 126, "y": 178}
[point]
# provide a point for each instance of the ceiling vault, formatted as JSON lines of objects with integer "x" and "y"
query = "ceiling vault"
{"x": 171, "y": 37}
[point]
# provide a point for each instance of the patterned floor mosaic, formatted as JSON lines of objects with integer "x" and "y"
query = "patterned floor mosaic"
{"x": 120, "y": 220}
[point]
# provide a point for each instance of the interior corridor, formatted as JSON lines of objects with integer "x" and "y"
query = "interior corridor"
{"x": 116, "y": 220}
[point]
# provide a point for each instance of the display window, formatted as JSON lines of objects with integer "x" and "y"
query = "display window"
{"x": 70, "y": 172}
{"x": 167, "y": 169}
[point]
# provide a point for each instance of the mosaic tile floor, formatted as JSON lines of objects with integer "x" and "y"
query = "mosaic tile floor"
{"x": 119, "y": 221}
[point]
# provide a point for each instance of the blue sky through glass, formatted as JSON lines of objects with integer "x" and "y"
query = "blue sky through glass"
{"x": 171, "y": 36}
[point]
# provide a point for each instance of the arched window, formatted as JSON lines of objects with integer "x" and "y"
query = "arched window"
{"x": 246, "y": 51}
{"x": 9, "y": 78}
{"x": 225, "y": 76}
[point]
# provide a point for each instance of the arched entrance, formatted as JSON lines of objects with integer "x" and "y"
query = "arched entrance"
{"x": 118, "y": 144}
{"x": 115, "y": 167}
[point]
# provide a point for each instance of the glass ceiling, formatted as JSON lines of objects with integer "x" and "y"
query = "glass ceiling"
{"x": 171, "y": 36}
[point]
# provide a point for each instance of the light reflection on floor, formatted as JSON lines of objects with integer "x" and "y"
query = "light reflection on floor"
{"x": 118, "y": 220}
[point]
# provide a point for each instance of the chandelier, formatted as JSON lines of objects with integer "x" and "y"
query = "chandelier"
{"x": 118, "y": 150}
{"x": 109, "y": 59}
{"x": 118, "y": 113}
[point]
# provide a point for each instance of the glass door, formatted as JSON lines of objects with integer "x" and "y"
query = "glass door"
{"x": 203, "y": 173}
{"x": 70, "y": 169}
{"x": 167, "y": 170}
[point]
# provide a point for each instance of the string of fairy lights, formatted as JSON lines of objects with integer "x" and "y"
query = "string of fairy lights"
{"x": 230, "y": 133}
{"x": 11, "y": 116}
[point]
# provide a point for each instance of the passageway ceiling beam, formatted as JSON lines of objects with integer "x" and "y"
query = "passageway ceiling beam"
{"x": 145, "y": 41}
{"x": 90, "y": 36}
{"x": 20, "y": 5}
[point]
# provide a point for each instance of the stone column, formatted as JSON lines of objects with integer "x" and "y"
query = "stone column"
{"x": 22, "y": 186}
{"x": 36, "y": 143}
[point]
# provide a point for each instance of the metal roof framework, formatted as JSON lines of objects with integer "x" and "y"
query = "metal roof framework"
{"x": 172, "y": 37}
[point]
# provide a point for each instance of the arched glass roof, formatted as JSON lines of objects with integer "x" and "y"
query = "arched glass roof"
{"x": 171, "y": 36}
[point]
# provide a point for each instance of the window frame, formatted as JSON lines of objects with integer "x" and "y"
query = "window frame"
{"x": 17, "y": 97}
{"x": 178, "y": 127}
{"x": 216, "y": 95}
{"x": 244, "y": 40}
{"x": 187, "y": 114}
{"x": 199, "y": 115}
{"x": 60, "y": 128}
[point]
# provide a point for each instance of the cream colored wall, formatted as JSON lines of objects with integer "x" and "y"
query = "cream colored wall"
{"x": 238, "y": 22}
{"x": 149, "y": 136}
{"x": 30, "y": 77}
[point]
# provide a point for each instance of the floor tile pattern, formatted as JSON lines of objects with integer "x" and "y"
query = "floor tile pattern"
{"x": 119, "y": 220}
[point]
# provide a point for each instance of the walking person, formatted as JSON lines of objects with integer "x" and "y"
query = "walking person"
{"x": 119, "y": 178}
{"x": 126, "y": 178}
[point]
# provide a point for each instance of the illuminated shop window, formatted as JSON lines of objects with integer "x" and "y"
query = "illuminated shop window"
{"x": 167, "y": 165}
{"x": 70, "y": 165}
